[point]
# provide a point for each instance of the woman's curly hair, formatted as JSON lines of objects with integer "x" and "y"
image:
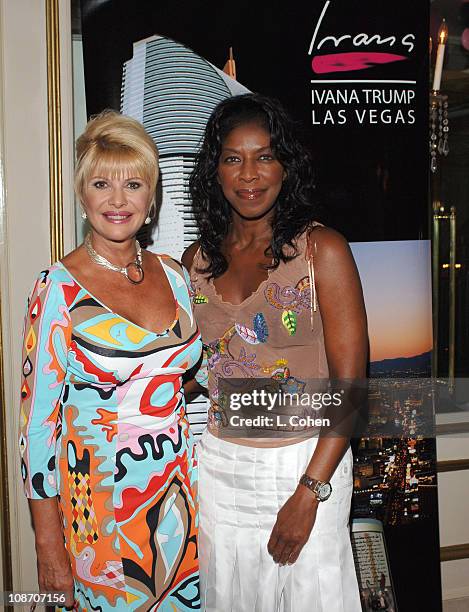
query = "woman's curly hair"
{"x": 294, "y": 209}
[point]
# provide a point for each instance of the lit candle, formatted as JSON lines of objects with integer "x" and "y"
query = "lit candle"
{"x": 440, "y": 55}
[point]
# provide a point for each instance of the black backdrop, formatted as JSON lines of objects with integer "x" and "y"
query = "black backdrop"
{"x": 372, "y": 181}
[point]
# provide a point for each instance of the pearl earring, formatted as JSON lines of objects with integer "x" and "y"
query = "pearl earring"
{"x": 148, "y": 219}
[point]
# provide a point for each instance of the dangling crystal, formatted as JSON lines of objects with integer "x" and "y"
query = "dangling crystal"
{"x": 445, "y": 147}
{"x": 438, "y": 128}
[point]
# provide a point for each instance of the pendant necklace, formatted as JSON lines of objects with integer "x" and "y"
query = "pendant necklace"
{"x": 132, "y": 265}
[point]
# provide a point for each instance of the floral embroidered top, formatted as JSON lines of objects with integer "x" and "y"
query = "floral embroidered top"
{"x": 273, "y": 333}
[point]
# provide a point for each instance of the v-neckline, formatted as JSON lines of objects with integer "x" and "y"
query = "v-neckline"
{"x": 148, "y": 331}
{"x": 247, "y": 299}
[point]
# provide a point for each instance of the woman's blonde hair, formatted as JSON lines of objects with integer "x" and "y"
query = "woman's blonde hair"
{"x": 111, "y": 145}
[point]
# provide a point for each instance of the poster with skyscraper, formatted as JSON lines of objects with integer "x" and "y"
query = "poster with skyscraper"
{"x": 355, "y": 78}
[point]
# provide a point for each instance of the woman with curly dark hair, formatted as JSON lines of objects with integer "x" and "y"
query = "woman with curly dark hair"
{"x": 277, "y": 296}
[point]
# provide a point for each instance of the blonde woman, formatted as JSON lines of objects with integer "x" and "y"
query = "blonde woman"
{"x": 106, "y": 451}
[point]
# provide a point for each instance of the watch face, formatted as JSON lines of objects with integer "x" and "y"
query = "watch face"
{"x": 324, "y": 491}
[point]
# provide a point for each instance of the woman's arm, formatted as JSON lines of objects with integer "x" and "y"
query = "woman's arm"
{"x": 345, "y": 335}
{"x": 53, "y": 563}
{"x": 346, "y": 342}
{"x": 47, "y": 335}
{"x": 192, "y": 389}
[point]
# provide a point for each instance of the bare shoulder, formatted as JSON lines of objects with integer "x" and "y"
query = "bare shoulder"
{"x": 189, "y": 254}
{"x": 334, "y": 264}
{"x": 326, "y": 244}
{"x": 75, "y": 259}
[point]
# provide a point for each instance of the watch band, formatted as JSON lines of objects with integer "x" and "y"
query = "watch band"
{"x": 315, "y": 485}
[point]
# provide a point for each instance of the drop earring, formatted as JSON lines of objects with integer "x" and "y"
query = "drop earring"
{"x": 84, "y": 216}
{"x": 148, "y": 219}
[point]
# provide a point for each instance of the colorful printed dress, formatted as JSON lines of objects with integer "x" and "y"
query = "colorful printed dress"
{"x": 103, "y": 426}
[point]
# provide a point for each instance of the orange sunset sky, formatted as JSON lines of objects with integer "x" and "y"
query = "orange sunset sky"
{"x": 396, "y": 279}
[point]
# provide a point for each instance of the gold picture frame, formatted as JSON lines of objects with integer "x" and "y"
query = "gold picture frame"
{"x": 55, "y": 130}
{"x": 5, "y": 529}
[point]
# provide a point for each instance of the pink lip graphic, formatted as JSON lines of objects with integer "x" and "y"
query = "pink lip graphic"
{"x": 355, "y": 60}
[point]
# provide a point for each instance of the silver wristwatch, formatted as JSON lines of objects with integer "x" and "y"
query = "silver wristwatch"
{"x": 322, "y": 490}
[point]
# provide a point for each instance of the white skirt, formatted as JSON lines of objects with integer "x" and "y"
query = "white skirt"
{"x": 241, "y": 489}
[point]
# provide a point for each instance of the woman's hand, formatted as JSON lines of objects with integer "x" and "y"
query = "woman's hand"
{"x": 295, "y": 521}
{"x": 54, "y": 571}
{"x": 53, "y": 563}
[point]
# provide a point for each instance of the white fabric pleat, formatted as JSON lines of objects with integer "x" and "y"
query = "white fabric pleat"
{"x": 241, "y": 489}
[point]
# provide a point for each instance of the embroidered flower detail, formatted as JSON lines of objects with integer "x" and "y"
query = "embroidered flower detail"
{"x": 289, "y": 320}
{"x": 248, "y": 335}
{"x": 280, "y": 374}
{"x": 213, "y": 360}
{"x": 293, "y": 385}
{"x": 278, "y": 370}
{"x": 222, "y": 346}
{"x": 295, "y": 298}
{"x": 260, "y": 327}
{"x": 248, "y": 360}
{"x": 200, "y": 298}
